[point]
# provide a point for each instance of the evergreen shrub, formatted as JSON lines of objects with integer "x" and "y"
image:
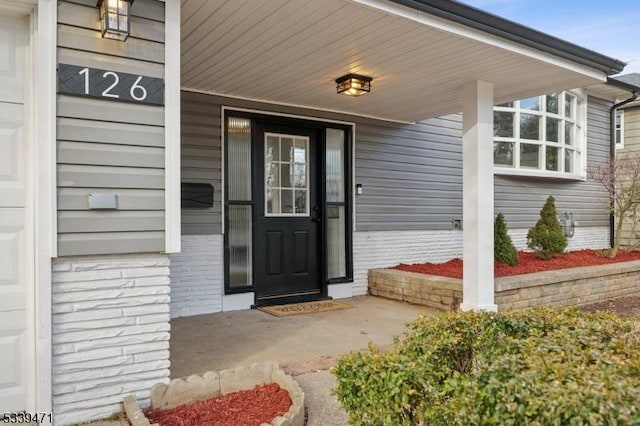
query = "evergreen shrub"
{"x": 539, "y": 366}
{"x": 547, "y": 238}
{"x": 503, "y": 249}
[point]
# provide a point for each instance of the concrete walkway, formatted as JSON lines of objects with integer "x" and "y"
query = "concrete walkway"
{"x": 304, "y": 345}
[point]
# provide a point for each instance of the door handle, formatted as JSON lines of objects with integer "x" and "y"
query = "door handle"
{"x": 316, "y": 216}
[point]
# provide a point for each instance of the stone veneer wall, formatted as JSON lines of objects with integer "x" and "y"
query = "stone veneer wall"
{"x": 197, "y": 276}
{"x": 110, "y": 332}
{"x": 378, "y": 249}
{"x": 441, "y": 293}
{"x": 566, "y": 287}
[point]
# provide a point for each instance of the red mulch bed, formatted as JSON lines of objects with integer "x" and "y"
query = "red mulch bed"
{"x": 528, "y": 263}
{"x": 252, "y": 407}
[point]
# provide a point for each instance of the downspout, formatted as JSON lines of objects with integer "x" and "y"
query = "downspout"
{"x": 612, "y": 154}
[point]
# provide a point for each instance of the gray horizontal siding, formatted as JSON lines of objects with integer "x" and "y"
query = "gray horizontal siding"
{"x": 101, "y": 154}
{"x": 71, "y": 175}
{"x": 201, "y": 159}
{"x": 113, "y": 63}
{"x": 85, "y": 39}
{"x": 631, "y": 130}
{"x": 70, "y": 199}
{"x": 411, "y": 173}
{"x": 520, "y": 199}
{"x": 103, "y": 110}
{"x": 111, "y": 242}
{"x": 113, "y": 147}
{"x": 110, "y": 221}
{"x": 115, "y": 133}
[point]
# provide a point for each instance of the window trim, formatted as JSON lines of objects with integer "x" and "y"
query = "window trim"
{"x": 619, "y": 142}
{"x": 578, "y": 149}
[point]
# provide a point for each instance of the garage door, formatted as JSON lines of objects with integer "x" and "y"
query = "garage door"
{"x": 16, "y": 268}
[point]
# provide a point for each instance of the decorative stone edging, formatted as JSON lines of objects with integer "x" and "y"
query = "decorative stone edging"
{"x": 555, "y": 288}
{"x": 211, "y": 384}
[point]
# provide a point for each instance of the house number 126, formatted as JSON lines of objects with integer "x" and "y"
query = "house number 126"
{"x": 107, "y": 84}
{"x": 137, "y": 92}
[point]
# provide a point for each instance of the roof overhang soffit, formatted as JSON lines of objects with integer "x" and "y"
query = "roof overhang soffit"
{"x": 290, "y": 53}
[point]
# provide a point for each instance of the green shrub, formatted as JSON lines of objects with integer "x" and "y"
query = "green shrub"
{"x": 547, "y": 237}
{"x": 538, "y": 366}
{"x": 503, "y": 249}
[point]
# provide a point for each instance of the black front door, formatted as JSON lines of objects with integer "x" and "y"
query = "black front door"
{"x": 287, "y": 213}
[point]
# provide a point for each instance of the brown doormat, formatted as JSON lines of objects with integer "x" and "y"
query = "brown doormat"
{"x": 304, "y": 308}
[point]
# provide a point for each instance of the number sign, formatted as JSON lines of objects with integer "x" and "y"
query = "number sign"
{"x": 117, "y": 86}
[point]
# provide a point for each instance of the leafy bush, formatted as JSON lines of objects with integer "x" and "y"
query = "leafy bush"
{"x": 547, "y": 237}
{"x": 503, "y": 249}
{"x": 537, "y": 366}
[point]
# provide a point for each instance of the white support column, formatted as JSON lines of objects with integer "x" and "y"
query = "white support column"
{"x": 172, "y": 127}
{"x": 477, "y": 162}
{"x": 44, "y": 27}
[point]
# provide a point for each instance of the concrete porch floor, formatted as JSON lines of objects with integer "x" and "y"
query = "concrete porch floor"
{"x": 299, "y": 343}
{"x": 305, "y": 346}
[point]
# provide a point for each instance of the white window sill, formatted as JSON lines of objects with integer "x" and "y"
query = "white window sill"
{"x": 538, "y": 174}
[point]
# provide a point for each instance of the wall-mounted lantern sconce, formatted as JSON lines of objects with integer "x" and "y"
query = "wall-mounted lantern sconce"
{"x": 115, "y": 17}
{"x": 353, "y": 84}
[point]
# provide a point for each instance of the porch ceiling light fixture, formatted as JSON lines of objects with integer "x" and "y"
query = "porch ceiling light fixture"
{"x": 353, "y": 85}
{"x": 115, "y": 17}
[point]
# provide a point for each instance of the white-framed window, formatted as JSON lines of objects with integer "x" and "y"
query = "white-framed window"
{"x": 619, "y": 129}
{"x": 542, "y": 135}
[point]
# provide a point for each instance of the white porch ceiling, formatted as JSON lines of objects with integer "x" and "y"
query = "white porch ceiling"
{"x": 291, "y": 51}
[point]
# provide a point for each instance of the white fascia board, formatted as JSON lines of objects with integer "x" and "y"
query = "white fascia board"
{"x": 473, "y": 34}
{"x": 172, "y": 127}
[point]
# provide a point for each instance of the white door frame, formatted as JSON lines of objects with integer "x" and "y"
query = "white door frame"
{"x": 40, "y": 203}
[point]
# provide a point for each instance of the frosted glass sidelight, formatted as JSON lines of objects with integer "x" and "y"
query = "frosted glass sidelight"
{"x": 335, "y": 165}
{"x": 240, "y": 246}
{"x": 239, "y": 159}
{"x": 336, "y": 244}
